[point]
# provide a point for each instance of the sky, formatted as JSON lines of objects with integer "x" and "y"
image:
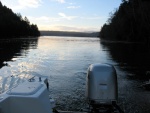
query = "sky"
{"x": 65, "y": 15}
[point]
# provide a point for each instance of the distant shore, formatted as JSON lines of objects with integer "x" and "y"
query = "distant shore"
{"x": 67, "y": 33}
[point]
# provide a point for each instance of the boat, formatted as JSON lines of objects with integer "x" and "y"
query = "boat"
{"x": 32, "y": 96}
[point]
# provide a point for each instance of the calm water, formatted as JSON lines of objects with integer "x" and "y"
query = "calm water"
{"x": 64, "y": 60}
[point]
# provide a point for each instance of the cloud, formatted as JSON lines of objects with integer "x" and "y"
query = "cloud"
{"x": 62, "y": 14}
{"x": 66, "y": 17}
{"x": 30, "y": 3}
{"x": 93, "y": 18}
{"x": 60, "y": 1}
{"x": 73, "y": 7}
{"x": 68, "y": 28}
{"x": 22, "y": 4}
{"x": 43, "y": 19}
{"x": 71, "y": 3}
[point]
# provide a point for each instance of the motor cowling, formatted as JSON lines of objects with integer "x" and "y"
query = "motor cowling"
{"x": 101, "y": 84}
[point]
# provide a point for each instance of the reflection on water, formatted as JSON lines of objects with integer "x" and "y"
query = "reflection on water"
{"x": 131, "y": 57}
{"x": 11, "y": 51}
{"x": 64, "y": 60}
{"x": 132, "y": 63}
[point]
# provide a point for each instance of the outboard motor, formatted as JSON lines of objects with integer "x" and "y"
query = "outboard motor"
{"x": 102, "y": 89}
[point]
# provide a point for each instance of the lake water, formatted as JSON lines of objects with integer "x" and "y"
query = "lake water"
{"x": 65, "y": 60}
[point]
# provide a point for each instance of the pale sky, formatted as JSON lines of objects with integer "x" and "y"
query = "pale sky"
{"x": 65, "y": 15}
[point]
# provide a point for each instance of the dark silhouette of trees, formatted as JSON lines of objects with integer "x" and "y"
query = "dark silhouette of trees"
{"x": 130, "y": 22}
{"x": 14, "y": 25}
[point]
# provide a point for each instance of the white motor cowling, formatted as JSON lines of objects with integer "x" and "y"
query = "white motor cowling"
{"x": 101, "y": 84}
{"x": 30, "y": 96}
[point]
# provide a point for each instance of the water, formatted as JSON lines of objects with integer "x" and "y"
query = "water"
{"x": 64, "y": 60}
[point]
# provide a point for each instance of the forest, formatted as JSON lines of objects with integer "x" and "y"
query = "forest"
{"x": 14, "y": 25}
{"x": 130, "y": 22}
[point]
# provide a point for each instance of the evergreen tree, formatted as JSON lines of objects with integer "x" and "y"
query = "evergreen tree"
{"x": 131, "y": 22}
{"x": 13, "y": 25}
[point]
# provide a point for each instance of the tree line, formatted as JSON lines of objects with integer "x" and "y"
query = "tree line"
{"x": 14, "y": 25}
{"x": 130, "y": 22}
